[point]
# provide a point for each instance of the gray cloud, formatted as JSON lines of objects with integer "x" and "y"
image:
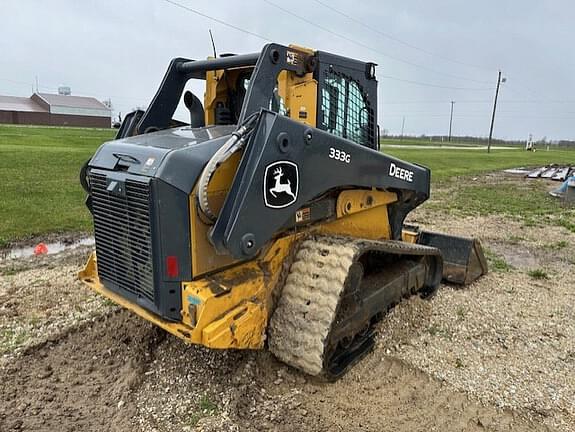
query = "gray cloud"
{"x": 121, "y": 49}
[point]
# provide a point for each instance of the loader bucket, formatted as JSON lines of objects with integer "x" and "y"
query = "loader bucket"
{"x": 463, "y": 259}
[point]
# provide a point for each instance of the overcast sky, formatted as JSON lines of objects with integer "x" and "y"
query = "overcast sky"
{"x": 428, "y": 53}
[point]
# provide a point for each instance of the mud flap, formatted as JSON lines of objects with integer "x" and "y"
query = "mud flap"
{"x": 463, "y": 258}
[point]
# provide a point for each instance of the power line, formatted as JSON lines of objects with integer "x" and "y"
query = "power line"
{"x": 219, "y": 21}
{"x": 507, "y": 101}
{"x": 474, "y": 112}
{"x": 17, "y": 82}
{"x": 431, "y": 102}
{"x": 434, "y": 85}
{"x": 551, "y": 101}
{"x": 515, "y": 92}
{"x": 327, "y": 30}
{"x": 433, "y": 112}
{"x": 227, "y": 24}
{"x": 515, "y": 81}
{"x": 94, "y": 95}
{"x": 396, "y": 39}
{"x": 42, "y": 88}
{"x": 466, "y": 116}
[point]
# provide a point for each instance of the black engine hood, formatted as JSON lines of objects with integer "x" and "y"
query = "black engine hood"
{"x": 176, "y": 156}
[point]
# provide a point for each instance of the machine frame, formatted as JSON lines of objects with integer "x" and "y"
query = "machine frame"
{"x": 216, "y": 282}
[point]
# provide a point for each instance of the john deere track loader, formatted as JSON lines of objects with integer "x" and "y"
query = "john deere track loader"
{"x": 272, "y": 218}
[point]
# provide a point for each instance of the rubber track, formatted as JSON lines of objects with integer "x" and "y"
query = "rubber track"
{"x": 304, "y": 314}
{"x": 308, "y": 304}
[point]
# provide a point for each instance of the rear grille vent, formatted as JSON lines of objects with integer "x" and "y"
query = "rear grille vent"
{"x": 123, "y": 237}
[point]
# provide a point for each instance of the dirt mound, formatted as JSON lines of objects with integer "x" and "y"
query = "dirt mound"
{"x": 81, "y": 381}
{"x": 192, "y": 387}
{"x": 120, "y": 373}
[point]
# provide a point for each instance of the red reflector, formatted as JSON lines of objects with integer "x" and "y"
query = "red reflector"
{"x": 172, "y": 267}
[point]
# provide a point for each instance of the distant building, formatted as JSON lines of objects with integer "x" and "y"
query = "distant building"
{"x": 54, "y": 110}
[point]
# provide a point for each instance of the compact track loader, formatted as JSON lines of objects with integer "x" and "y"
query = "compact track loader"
{"x": 272, "y": 218}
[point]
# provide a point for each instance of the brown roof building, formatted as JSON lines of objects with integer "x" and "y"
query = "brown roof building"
{"x": 54, "y": 110}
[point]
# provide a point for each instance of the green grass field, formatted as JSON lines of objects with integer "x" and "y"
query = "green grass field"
{"x": 40, "y": 192}
{"x": 408, "y": 141}
{"x": 447, "y": 163}
{"x": 525, "y": 201}
{"x": 455, "y": 141}
{"x": 39, "y": 188}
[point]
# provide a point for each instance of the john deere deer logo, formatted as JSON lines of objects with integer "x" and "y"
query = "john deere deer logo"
{"x": 280, "y": 184}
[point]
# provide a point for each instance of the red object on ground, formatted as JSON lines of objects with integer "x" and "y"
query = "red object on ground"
{"x": 40, "y": 249}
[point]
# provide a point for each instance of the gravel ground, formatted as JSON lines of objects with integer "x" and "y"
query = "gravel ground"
{"x": 498, "y": 355}
{"x": 40, "y": 297}
{"x": 509, "y": 338}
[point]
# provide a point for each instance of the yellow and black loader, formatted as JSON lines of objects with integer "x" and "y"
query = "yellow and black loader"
{"x": 271, "y": 218}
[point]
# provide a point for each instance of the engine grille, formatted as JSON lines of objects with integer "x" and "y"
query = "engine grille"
{"x": 123, "y": 236}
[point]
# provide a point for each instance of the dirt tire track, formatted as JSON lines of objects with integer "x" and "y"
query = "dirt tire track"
{"x": 97, "y": 376}
{"x": 384, "y": 394}
{"x": 254, "y": 392}
{"x": 82, "y": 381}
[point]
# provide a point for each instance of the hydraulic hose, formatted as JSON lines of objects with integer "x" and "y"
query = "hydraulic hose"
{"x": 236, "y": 142}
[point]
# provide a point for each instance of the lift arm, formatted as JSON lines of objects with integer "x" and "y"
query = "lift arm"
{"x": 286, "y": 164}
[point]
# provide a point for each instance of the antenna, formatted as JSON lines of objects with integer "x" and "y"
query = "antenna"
{"x": 213, "y": 44}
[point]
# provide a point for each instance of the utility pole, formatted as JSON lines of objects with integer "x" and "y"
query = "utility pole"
{"x": 493, "y": 115}
{"x": 402, "y": 126}
{"x": 450, "y": 121}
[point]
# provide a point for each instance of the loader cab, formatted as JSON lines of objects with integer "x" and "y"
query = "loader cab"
{"x": 322, "y": 90}
{"x": 348, "y": 99}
